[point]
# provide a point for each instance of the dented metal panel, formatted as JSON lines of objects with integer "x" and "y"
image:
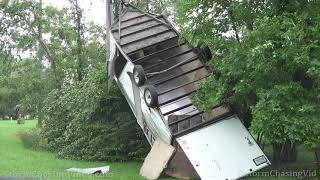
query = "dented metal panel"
{"x": 221, "y": 151}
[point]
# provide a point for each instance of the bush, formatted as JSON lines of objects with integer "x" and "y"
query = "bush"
{"x": 31, "y": 139}
{"x": 84, "y": 122}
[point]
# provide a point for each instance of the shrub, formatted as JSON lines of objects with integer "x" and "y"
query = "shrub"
{"x": 31, "y": 139}
{"x": 85, "y": 122}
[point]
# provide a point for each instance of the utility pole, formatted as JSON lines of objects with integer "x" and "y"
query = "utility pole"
{"x": 108, "y": 25}
{"x": 108, "y": 44}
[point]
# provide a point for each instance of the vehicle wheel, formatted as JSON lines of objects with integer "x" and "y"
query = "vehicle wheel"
{"x": 151, "y": 96}
{"x": 138, "y": 75}
{"x": 206, "y": 53}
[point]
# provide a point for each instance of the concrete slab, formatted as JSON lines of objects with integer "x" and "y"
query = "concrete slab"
{"x": 157, "y": 159}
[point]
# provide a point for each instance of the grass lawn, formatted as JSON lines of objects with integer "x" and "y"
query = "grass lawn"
{"x": 16, "y": 160}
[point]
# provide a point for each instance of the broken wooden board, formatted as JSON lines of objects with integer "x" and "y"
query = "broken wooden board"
{"x": 157, "y": 159}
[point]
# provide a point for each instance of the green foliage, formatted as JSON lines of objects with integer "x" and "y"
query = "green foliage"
{"x": 63, "y": 78}
{"x": 31, "y": 139}
{"x": 289, "y": 111}
{"x": 266, "y": 59}
{"x": 47, "y": 36}
{"x": 85, "y": 122}
{"x": 27, "y": 84}
{"x": 154, "y": 6}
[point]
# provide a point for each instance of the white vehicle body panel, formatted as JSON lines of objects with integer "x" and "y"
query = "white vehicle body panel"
{"x": 152, "y": 118}
{"x": 224, "y": 150}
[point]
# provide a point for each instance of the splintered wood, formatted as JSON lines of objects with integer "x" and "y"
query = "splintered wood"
{"x": 157, "y": 159}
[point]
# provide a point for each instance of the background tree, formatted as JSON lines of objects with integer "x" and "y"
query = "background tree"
{"x": 265, "y": 62}
{"x": 53, "y": 64}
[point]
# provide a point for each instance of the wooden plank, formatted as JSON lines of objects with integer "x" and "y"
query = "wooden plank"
{"x": 141, "y": 30}
{"x": 168, "y": 59}
{"x": 143, "y": 34}
{"x": 132, "y": 22}
{"x": 176, "y": 106}
{"x": 177, "y": 76}
{"x": 160, "y": 53}
{"x": 139, "y": 27}
{"x": 195, "y": 75}
{"x": 150, "y": 19}
{"x": 130, "y": 15}
{"x": 157, "y": 159}
{"x": 180, "y": 86}
{"x": 147, "y": 42}
{"x": 190, "y": 110}
{"x": 178, "y": 93}
{"x": 189, "y": 65}
{"x": 159, "y": 45}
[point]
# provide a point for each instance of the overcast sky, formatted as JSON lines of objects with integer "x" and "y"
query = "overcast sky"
{"x": 94, "y": 9}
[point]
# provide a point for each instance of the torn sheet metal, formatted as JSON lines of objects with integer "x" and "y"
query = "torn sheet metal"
{"x": 97, "y": 170}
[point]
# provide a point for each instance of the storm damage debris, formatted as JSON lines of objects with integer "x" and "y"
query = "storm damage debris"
{"x": 157, "y": 159}
{"x": 157, "y": 72}
{"x": 97, "y": 170}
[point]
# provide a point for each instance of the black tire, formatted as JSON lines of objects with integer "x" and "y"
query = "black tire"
{"x": 206, "y": 53}
{"x": 150, "y": 96}
{"x": 139, "y": 76}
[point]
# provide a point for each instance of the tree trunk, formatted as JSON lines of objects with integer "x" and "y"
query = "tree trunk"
{"x": 46, "y": 50}
{"x": 260, "y": 141}
{"x": 285, "y": 153}
{"x": 317, "y": 152}
{"x": 79, "y": 41}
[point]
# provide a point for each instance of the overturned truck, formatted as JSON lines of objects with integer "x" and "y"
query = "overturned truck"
{"x": 157, "y": 72}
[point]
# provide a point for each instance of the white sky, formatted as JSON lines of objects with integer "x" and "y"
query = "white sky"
{"x": 94, "y": 10}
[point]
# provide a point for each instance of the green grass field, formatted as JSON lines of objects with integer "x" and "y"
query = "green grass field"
{"x": 16, "y": 160}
